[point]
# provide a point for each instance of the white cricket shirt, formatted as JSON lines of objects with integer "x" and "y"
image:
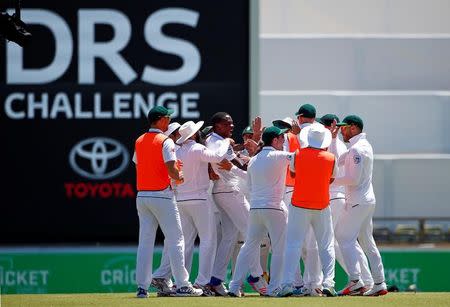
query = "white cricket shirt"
{"x": 266, "y": 173}
{"x": 338, "y": 148}
{"x": 229, "y": 180}
{"x": 358, "y": 166}
{"x": 195, "y": 158}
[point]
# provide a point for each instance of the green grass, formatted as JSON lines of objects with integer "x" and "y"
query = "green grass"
{"x": 430, "y": 299}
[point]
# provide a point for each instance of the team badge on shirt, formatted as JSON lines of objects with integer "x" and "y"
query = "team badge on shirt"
{"x": 356, "y": 159}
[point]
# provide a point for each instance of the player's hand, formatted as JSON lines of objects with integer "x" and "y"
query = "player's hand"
{"x": 232, "y": 142}
{"x": 180, "y": 179}
{"x": 257, "y": 128}
{"x": 251, "y": 146}
{"x": 225, "y": 164}
{"x": 211, "y": 173}
{"x": 238, "y": 147}
{"x": 334, "y": 129}
{"x": 244, "y": 158}
{"x": 295, "y": 127}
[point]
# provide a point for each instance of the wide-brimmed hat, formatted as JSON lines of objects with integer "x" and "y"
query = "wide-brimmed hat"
{"x": 188, "y": 129}
{"x": 316, "y": 136}
{"x": 172, "y": 127}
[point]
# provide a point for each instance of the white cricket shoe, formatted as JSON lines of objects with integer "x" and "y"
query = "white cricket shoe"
{"x": 352, "y": 288}
{"x": 377, "y": 290}
{"x": 188, "y": 291}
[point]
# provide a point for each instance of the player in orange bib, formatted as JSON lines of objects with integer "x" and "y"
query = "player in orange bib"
{"x": 315, "y": 169}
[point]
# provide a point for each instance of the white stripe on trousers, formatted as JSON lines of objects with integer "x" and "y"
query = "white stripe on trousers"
{"x": 153, "y": 211}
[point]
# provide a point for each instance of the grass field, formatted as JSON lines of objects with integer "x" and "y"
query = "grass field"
{"x": 430, "y": 299}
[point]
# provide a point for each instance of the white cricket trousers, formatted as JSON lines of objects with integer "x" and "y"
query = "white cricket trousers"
{"x": 298, "y": 222}
{"x": 234, "y": 215}
{"x": 163, "y": 211}
{"x": 356, "y": 225}
{"x": 262, "y": 221}
{"x": 298, "y": 282}
{"x": 337, "y": 206}
{"x": 197, "y": 216}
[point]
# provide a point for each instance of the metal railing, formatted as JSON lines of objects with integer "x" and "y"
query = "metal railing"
{"x": 419, "y": 234}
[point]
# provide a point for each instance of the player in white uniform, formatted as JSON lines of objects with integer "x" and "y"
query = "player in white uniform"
{"x": 194, "y": 203}
{"x": 266, "y": 177}
{"x": 156, "y": 206}
{"x": 244, "y": 156}
{"x": 356, "y": 220}
{"x": 161, "y": 277}
{"x": 233, "y": 207}
{"x": 337, "y": 201}
{"x": 312, "y": 276}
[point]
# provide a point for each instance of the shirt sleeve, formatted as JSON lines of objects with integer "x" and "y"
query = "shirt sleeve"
{"x": 249, "y": 177}
{"x": 353, "y": 168}
{"x": 292, "y": 162}
{"x": 207, "y": 155}
{"x": 238, "y": 172}
{"x": 285, "y": 157}
{"x": 335, "y": 168}
{"x": 168, "y": 150}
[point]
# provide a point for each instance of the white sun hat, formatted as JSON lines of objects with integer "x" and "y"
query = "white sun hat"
{"x": 188, "y": 129}
{"x": 172, "y": 127}
{"x": 316, "y": 136}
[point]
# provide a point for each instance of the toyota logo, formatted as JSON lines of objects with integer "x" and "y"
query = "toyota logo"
{"x": 99, "y": 158}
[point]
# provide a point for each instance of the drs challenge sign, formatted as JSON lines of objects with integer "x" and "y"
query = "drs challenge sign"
{"x": 74, "y": 101}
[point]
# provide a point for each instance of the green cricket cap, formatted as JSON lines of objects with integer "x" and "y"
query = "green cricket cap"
{"x": 307, "y": 110}
{"x": 352, "y": 120}
{"x": 270, "y": 133}
{"x": 327, "y": 119}
{"x": 157, "y": 112}
{"x": 247, "y": 130}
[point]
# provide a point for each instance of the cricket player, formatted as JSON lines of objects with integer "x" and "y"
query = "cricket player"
{"x": 266, "y": 178}
{"x": 356, "y": 220}
{"x": 231, "y": 202}
{"x": 194, "y": 203}
{"x": 155, "y": 161}
{"x": 337, "y": 202}
{"x": 312, "y": 276}
{"x": 162, "y": 276}
{"x": 315, "y": 169}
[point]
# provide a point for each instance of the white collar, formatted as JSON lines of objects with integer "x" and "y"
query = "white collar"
{"x": 217, "y": 136}
{"x": 356, "y": 138}
{"x": 271, "y": 148}
{"x": 189, "y": 142}
{"x": 155, "y": 130}
{"x": 304, "y": 125}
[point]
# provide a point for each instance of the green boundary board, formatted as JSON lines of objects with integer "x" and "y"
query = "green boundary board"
{"x": 102, "y": 270}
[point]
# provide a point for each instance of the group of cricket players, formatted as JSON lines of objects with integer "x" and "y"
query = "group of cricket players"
{"x": 290, "y": 191}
